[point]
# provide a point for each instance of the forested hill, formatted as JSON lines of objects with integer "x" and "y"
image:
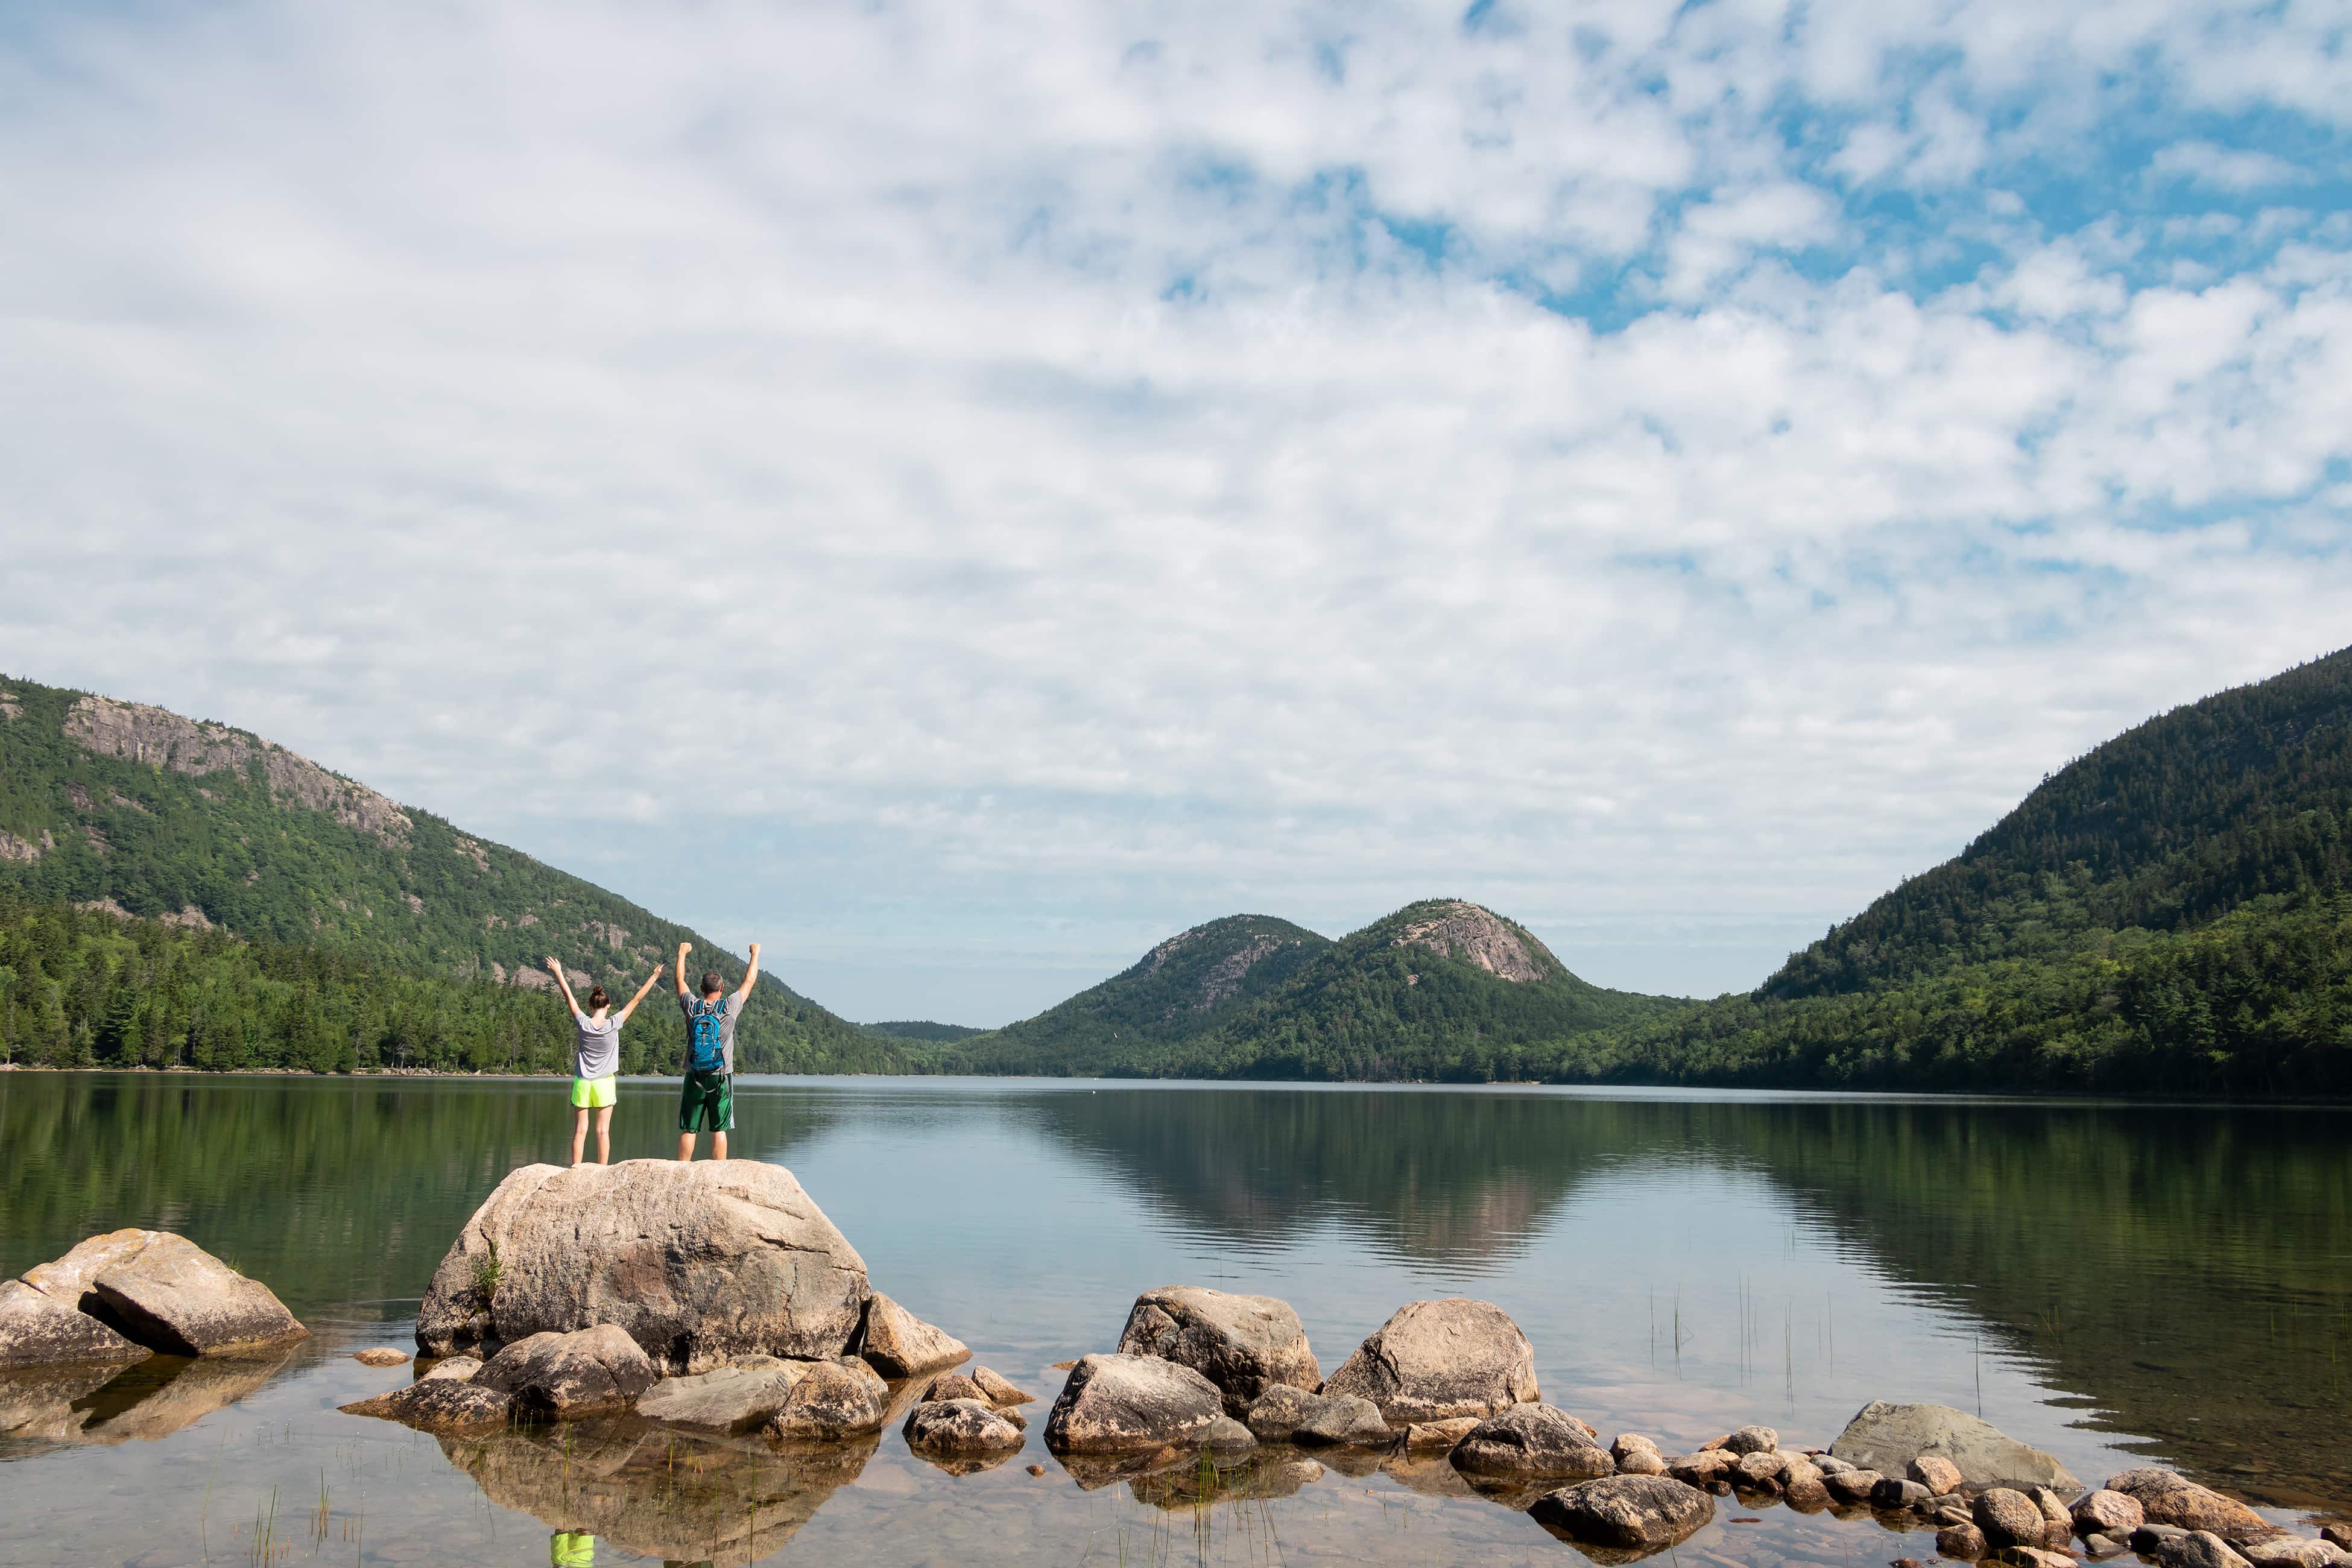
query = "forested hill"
{"x": 1185, "y": 987}
{"x": 139, "y": 814}
{"x": 1441, "y": 989}
{"x": 2170, "y": 913}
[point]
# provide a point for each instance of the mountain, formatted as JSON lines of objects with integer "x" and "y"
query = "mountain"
{"x": 2170, "y": 913}
{"x": 1180, "y": 990}
{"x": 140, "y": 815}
{"x": 1441, "y": 989}
{"x": 922, "y": 1029}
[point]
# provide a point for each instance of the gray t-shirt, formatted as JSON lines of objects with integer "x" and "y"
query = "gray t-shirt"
{"x": 596, "y": 1052}
{"x": 731, "y": 1008}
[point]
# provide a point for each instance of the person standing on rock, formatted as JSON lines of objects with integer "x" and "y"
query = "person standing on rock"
{"x": 708, "y": 1095}
{"x": 596, "y": 1061}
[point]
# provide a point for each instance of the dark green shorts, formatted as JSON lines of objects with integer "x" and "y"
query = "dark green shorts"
{"x": 707, "y": 1100}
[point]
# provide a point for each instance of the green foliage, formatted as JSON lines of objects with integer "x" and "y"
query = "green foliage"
{"x": 488, "y": 1271}
{"x": 921, "y": 1029}
{"x": 83, "y": 988}
{"x": 403, "y": 934}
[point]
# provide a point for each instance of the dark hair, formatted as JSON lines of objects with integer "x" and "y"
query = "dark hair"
{"x": 711, "y": 982}
{"x": 596, "y": 998}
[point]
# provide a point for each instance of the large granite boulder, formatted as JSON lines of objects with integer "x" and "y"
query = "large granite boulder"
{"x": 896, "y": 1344}
{"x": 441, "y": 1405}
{"x": 1627, "y": 1513}
{"x": 960, "y": 1426}
{"x": 1123, "y": 1403}
{"x": 1532, "y": 1440}
{"x": 1434, "y": 1360}
{"x": 2168, "y": 1498}
{"x": 698, "y": 1262}
{"x": 594, "y": 1372}
{"x": 36, "y": 1331}
{"x": 1241, "y": 1343}
{"x": 1887, "y": 1437}
{"x": 165, "y": 1293}
{"x": 832, "y": 1400}
{"x": 724, "y": 1399}
{"x": 2009, "y": 1517}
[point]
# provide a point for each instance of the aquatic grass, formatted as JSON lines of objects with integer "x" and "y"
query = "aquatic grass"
{"x": 487, "y": 1273}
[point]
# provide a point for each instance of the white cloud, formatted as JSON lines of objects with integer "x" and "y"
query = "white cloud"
{"x": 1026, "y": 479}
{"x": 2224, "y": 168}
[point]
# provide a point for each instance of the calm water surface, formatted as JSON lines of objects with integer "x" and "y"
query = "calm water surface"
{"x": 2113, "y": 1283}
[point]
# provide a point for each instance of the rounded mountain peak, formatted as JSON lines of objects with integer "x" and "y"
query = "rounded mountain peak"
{"x": 1457, "y": 929}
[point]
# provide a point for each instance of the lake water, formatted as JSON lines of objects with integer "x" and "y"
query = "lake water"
{"x": 2116, "y": 1283}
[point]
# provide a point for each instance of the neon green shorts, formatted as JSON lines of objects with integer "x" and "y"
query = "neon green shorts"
{"x": 573, "y": 1548}
{"x": 589, "y": 1092}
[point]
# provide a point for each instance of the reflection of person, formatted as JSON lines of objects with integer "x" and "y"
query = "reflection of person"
{"x": 596, "y": 1061}
{"x": 708, "y": 1094}
{"x": 573, "y": 1548}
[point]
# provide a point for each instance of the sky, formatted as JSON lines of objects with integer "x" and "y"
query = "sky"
{"x": 959, "y": 491}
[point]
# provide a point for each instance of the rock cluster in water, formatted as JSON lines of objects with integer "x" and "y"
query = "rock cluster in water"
{"x": 129, "y": 1294}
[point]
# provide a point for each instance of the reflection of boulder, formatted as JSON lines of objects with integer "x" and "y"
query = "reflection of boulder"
{"x": 659, "y": 1492}
{"x": 158, "y": 1397}
{"x": 36, "y": 1411}
{"x": 1194, "y": 1479}
{"x": 1430, "y": 1474}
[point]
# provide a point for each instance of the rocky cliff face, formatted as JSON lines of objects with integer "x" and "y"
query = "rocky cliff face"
{"x": 162, "y": 739}
{"x": 1464, "y": 931}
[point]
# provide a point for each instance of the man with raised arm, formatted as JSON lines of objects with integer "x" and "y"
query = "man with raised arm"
{"x": 709, "y": 1096}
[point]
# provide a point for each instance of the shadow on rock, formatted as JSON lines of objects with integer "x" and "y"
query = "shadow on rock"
{"x": 661, "y": 1493}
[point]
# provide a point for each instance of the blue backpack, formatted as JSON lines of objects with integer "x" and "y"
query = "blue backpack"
{"x": 705, "y": 1050}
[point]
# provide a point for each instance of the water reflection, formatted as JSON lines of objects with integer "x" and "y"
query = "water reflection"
{"x": 659, "y": 1493}
{"x": 52, "y": 1407}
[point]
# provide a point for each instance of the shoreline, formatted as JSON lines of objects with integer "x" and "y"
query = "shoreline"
{"x": 2089, "y": 1100}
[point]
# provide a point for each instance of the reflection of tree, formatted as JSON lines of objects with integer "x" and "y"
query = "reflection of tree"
{"x": 659, "y": 1493}
{"x": 2184, "y": 1269}
{"x": 333, "y": 1192}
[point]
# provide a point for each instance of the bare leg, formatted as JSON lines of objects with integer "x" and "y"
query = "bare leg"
{"x": 579, "y": 1132}
{"x": 719, "y": 1145}
{"x": 686, "y": 1145}
{"x": 604, "y": 1135}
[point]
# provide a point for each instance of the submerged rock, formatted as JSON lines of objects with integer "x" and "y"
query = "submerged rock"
{"x": 1425, "y": 1436}
{"x": 381, "y": 1355}
{"x": 592, "y": 1372}
{"x": 164, "y": 1291}
{"x": 2009, "y": 1517}
{"x": 1122, "y": 1404}
{"x": 1937, "y": 1473}
{"x": 997, "y": 1390}
{"x": 440, "y": 1404}
{"x": 1434, "y": 1360}
{"x": 1532, "y": 1441}
{"x": 960, "y": 1426}
{"x": 698, "y": 1262}
{"x": 2169, "y": 1498}
{"x": 1629, "y": 1514}
{"x": 724, "y": 1399}
{"x": 1244, "y": 1345}
{"x": 36, "y": 1331}
{"x": 896, "y": 1344}
{"x": 1887, "y": 1437}
{"x": 832, "y": 1400}
{"x": 2196, "y": 1549}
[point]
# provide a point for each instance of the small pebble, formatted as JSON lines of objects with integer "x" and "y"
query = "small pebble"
{"x": 1036, "y": 1470}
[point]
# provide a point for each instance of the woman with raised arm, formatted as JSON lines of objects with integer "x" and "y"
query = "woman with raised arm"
{"x": 596, "y": 1061}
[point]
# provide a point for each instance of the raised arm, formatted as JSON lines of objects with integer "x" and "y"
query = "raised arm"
{"x": 566, "y": 984}
{"x": 750, "y": 973}
{"x": 683, "y": 948}
{"x": 622, "y": 1015}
